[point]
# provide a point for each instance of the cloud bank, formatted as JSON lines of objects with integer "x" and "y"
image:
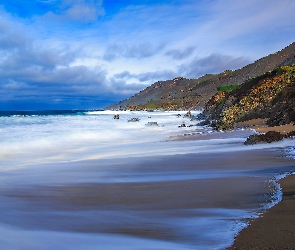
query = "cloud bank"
{"x": 78, "y": 54}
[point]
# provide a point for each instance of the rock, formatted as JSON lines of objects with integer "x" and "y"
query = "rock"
{"x": 202, "y": 116}
{"x": 188, "y": 114}
{"x": 290, "y": 134}
{"x": 182, "y": 125}
{"x": 204, "y": 123}
{"x": 116, "y": 116}
{"x": 271, "y": 136}
{"x": 154, "y": 124}
{"x": 134, "y": 120}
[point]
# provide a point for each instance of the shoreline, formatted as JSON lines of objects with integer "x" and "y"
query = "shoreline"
{"x": 182, "y": 194}
{"x": 163, "y": 208}
{"x": 275, "y": 229}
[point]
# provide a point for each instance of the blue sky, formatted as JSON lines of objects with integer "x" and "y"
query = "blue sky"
{"x": 82, "y": 54}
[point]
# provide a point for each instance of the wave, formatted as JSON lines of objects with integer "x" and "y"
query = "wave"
{"x": 23, "y": 113}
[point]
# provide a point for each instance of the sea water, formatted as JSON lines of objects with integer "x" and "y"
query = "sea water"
{"x": 149, "y": 191}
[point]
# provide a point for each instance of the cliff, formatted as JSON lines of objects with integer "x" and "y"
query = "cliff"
{"x": 184, "y": 94}
{"x": 269, "y": 96}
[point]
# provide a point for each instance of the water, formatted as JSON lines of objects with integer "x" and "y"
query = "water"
{"x": 81, "y": 179}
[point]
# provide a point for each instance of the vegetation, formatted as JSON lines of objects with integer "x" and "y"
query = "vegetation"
{"x": 228, "y": 88}
{"x": 257, "y": 93}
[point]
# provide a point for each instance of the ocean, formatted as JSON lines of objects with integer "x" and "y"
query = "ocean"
{"x": 84, "y": 180}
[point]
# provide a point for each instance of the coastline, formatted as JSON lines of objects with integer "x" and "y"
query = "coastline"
{"x": 170, "y": 203}
{"x": 196, "y": 192}
{"x": 276, "y": 228}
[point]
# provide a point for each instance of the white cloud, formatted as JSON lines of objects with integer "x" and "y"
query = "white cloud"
{"x": 85, "y": 11}
{"x": 77, "y": 48}
{"x": 212, "y": 64}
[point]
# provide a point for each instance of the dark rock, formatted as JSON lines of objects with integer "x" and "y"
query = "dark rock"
{"x": 134, "y": 120}
{"x": 155, "y": 124}
{"x": 182, "y": 125}
{"x": 204, "y": 123}
{"x": 193, "y": 118}
{"x": 188, "y": 114}
{"x": 290, "y": 134}
{"x": 271, "y": 136}
{"x": 201, "y": 116}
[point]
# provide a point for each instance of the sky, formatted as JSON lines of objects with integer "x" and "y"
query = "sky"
{"x": 85, "y": 54}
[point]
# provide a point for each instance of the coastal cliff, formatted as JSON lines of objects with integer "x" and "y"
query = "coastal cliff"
{"x": 186, "y": 94}
{"x": 269, "y": 96}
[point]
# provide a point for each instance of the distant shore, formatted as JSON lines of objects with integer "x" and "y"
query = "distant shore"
{"x": 276, "y": 228}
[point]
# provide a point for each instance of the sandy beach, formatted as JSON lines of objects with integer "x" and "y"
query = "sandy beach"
{"x": 276, "y": 228}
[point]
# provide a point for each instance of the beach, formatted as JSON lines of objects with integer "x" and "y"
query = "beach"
{"x": 153, "y": 188}
{"x": 275, "y": 229}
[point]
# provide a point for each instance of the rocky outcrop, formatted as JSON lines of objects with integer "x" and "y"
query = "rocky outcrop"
{"x": 271, "y": 136}
{"x": 271, "y": 96}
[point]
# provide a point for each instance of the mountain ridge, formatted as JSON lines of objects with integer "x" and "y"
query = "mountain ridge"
{"x": 187, "y": 94}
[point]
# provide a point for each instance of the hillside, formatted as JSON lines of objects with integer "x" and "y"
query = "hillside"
{"x": 269, "y": 96}
{"x": 184, "y": 94}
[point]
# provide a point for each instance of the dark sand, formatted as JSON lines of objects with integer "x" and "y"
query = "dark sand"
{"x": 276, "y": 228}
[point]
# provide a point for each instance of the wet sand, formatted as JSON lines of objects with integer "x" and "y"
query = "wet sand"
{"x": 181, "y": 199}
{"x": 276, "y": 228}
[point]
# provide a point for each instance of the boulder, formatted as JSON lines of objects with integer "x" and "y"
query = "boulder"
{"x": 154, "y": 124}
{"x": 290, "y": 134}
{"x": 188, "y": 114}
{"x": 271, "y": 136}
{"x": 134, "y": 120}
{"x": 182, "y": 125}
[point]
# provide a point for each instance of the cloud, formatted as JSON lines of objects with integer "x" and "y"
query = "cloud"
{"x": 120, "y": 87}
{"x": 77, "y": 51}
{"x": 39, "y": 73}
{"x": 212, "y": 64}
{"x": 137, "y": 51}
{"x": 147, "y": 76}
{"x": 84, "y": 11}
{"x": 11, "y": 33}
{"x": 179, "y": 54}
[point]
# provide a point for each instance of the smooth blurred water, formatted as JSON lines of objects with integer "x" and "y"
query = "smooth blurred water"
{"x": 83, "y": 180}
